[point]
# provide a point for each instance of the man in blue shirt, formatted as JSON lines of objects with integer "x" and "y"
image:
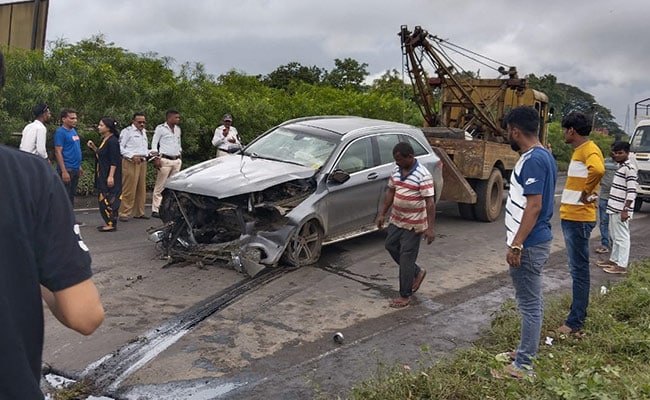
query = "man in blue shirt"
{"x": 67, "y": 149}
{"x": 529, "y": 209}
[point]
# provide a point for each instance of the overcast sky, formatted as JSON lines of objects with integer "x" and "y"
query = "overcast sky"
{"x": 600, "y": 46}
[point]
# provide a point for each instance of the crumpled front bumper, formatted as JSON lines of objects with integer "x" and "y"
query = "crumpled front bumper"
{"x": 250, "y": 253}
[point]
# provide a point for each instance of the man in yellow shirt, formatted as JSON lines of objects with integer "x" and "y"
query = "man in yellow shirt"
{"x": 578, "y": 212}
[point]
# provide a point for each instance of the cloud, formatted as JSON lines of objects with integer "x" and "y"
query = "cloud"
{"x": 598, "y": 46}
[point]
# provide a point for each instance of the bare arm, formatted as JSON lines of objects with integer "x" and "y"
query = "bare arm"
{"x": 528, "y": 220}
{"x": 430, "y": 234}
{"x": 77, "y": 307}
{"x": 58, "y": 152}
{"x": 388, "y": 201}
{"x": 110, "y": 181}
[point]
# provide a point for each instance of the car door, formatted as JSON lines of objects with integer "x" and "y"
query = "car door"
{"x": 352, "y": 205}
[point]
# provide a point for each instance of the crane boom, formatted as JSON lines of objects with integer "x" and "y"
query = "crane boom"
{"x": 455, "y": 98}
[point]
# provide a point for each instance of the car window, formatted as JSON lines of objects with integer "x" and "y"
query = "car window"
{"x": 641, "y": 139}
{"x": 294, "y": 147}
{"x": 418, "y": 149}
{"x": 356, "y": 157}
{"x": 386, "y": 144}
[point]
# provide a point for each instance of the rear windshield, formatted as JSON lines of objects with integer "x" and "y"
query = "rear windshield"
{"x": 641, "y": 139}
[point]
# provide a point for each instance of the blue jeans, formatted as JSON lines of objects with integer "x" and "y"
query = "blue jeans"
{"x": 603, "y": 219}
{"x": 527, "y": 280}
{"x": 403, "y": 246}
{"x": 576, "y": 240}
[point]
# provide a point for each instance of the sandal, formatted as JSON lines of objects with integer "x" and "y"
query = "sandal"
{"x": 506, "y": 356}
{"x": 106, "y": 228}
{"x": 615, "y": 269}
{"x": 602, "y": 250}
{"x": 418, "y": 280}
{"x": 512, "y": 372}
{"x": 564, "y": 331}
{"x": 399, "y": 302}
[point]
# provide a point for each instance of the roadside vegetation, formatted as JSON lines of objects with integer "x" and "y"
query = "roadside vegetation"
{"x": 609, "y": 362}
{"x": 99, "y": 79}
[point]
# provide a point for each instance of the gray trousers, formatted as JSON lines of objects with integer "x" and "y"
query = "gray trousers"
{"x": 403, "y": 246}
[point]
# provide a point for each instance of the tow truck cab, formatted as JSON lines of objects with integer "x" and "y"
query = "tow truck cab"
{"x": 640, "y": 154}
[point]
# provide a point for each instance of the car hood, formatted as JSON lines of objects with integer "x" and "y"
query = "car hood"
{"x": 233, "y": 175}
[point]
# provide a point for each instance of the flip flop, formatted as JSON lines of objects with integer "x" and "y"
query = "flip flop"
{"x": 418, "y": 280}
{"x": 399, "y": 302}
{"x": 564, "y": 331}
{"x": 106, "y": 229}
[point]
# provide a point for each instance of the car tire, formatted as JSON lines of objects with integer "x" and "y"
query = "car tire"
{"x": 305, "y": 245}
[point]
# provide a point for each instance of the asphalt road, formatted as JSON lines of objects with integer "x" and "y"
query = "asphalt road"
{"x": 191, "y": 332}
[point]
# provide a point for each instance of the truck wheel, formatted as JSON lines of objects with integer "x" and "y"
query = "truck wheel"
{"x": 638, "y": 203}
{"x": 466, "y": 211}
{"x": 489, "y": 197}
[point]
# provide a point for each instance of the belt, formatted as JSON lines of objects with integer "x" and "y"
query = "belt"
{"x": 170, "y": 157}
{"x": 131, "y": 158}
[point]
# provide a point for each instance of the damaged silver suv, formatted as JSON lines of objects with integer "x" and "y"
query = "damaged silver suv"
{"x": 303, "y": 184}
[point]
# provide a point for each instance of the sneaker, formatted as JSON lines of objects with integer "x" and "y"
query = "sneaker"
{"x": 615, "y": 270}
{"x": 602, "y": 250}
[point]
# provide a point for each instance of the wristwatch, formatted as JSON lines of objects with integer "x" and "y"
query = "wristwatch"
{"x": 516, "y": 250}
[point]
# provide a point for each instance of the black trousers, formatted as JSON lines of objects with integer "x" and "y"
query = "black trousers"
{"x": 109, "y": 205}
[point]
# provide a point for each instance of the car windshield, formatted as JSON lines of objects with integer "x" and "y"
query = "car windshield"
{"x": 293, "y": 147}
{"x": 641, "y": 139}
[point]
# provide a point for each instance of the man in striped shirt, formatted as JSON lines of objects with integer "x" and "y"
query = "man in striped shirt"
{"x": 578, "y": 212}
{"x": 411, "y": 194}
{"x": 619, "y": 207}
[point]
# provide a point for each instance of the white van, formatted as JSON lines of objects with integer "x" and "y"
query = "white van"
{"x": 640, "y": 154}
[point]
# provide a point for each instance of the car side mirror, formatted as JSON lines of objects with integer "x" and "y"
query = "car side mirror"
{"x": 338, "y": 176}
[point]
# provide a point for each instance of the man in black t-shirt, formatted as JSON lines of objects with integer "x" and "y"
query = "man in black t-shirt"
{"x": 42, "y": 257}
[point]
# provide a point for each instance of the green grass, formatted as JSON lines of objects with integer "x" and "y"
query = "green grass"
{"x": 611, "y": 362}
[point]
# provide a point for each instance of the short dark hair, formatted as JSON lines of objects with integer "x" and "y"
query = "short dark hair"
{"x": 524, "y": 118}
{"x": 171, "y": 112}
{"x": 66, "y": 112}
{"x": 621, "y": 145}
{"x": 578, "y": 121}
{"x": 138, "y": 114}
{"x": 403, "y": 148}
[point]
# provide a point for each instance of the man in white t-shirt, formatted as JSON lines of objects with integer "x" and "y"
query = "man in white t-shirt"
{"x": 34, "y": 134}
{"x": 226, "y": 138}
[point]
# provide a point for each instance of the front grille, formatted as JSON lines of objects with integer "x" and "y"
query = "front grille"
{"x": 644, "y": 177}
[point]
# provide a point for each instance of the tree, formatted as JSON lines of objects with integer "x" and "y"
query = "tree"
{"x": 347, "y": 74}
{"x": 391, "y": 83}
{"x": 565, "y": 98}
{"x": 282, "y": 77}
